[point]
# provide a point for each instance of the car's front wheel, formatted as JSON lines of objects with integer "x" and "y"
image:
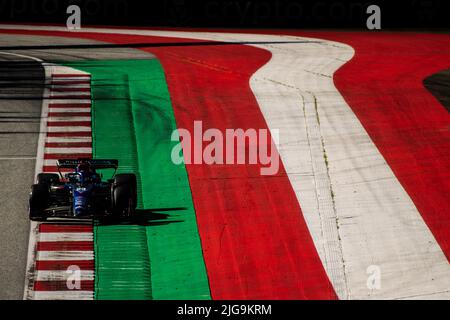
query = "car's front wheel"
{"x": 38, "y": 202}
{"x": 124, "y": 194}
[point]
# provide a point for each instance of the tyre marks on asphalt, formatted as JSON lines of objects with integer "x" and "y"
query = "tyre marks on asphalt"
{"x": 63, "y": 264}
{"x": 439, "y": 85}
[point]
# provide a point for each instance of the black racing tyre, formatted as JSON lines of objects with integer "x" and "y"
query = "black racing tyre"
{"x": 38, "y": 202}
{"x": 47, "y": 178}
{"x": 124, "y": 194}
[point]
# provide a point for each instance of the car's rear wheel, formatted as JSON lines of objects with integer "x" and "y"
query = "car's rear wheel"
{"x": 124, "y": 194}
{"x": 38, "y": 202}
{"x": 47, "y": 178}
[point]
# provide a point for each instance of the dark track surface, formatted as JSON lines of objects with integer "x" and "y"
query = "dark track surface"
{"x": 21, "y": 85}
{"x": 439, "y": 85}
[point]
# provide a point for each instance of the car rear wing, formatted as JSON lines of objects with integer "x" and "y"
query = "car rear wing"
{"x": 95, "y": 163}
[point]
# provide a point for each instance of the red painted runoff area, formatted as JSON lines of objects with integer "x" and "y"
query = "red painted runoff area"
{"x": 383, "y": 84}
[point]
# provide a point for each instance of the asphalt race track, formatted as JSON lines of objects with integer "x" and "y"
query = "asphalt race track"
{"x": 358, "y": 209}
{"x": 20, "y": 93}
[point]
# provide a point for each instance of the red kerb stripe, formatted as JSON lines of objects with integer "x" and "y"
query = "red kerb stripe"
{"x": 64, "y": 264}
{"x": 66, "y": 155}
{"x": 68, "y": 82}
{"x": 64, "y": 228}
{"x": 70, "y": 89}
{"x": 85, "y": 285}
{"x": 69, "y": 105}
{"x": 69, "y": 134}
{"x": 55, "y": 169}
{"x": 69, "y": 114}
{"x": 79, "y": 97}
{"x": 66, "y": 246}
{"x": 68, "y": 144}
{"x": 69, "y": 123}
{"x": 69, "y": 75}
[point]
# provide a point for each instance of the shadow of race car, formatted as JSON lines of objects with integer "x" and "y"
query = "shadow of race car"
{"x": 82, "y": 194}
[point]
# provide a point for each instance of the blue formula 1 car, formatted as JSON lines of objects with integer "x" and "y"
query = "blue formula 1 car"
{"x": 82, "y": 194}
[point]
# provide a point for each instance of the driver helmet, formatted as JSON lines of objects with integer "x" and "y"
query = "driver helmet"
{"x": 84, "y": 167}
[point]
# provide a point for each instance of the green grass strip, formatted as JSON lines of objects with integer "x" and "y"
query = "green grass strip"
{"x": 160, "y": 257}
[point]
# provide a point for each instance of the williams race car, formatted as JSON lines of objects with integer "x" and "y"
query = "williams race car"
{"x": 82, "y": 194}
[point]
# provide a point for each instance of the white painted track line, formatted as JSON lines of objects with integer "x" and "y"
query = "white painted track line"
{"x": 34, "y": 226}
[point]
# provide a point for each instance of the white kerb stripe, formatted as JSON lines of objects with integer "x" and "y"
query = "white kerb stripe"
{"x": 65, "y": 236}
{"x": 68, "y": 150}
{"x": 54, "y": 100}
{"x": 64, "y": 295}
{"x": 68, "y": 139}
{"x": 62, "y": 85}
{"x": 62, "y": 275}
{"x": 69, "y": 109}
{"x": 74, "y": 118}
{"x": 68, "y": 129}
{"x": 64, "y": 255}
{"x": 81, "y": 94}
